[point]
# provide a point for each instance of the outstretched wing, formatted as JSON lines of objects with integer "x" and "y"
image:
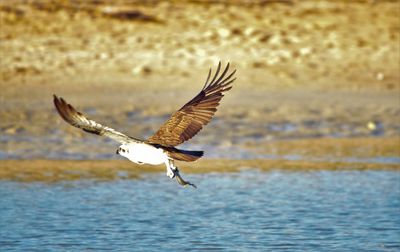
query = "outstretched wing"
{"x": 190, "y": 119}
{"x": 77, "y": 119}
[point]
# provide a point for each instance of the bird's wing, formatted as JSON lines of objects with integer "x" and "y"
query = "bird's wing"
{"x": 190, "y": 119}
{"x": 77, "y": 119}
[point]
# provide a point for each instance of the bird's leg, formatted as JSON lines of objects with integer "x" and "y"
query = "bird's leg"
{"x": 172, "y": 165}
{"x": 170, "y": 169}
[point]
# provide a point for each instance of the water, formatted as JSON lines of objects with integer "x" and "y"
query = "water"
{"x": 247, "y": 211}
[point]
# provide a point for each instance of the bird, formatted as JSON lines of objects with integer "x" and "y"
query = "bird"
{"x": 183, "y": 124}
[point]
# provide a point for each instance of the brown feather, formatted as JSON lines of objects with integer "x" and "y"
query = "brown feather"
{"x": 190, "y": 119}
{"x": 77, "y": 119}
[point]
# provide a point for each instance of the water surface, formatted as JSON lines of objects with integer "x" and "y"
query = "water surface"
{"x": 247, "y": 211}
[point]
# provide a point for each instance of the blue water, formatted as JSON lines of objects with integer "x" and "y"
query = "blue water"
{"x": 247, "y": 211}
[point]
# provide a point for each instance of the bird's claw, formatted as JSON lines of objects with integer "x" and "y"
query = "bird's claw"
{"x": 171, "y": 174}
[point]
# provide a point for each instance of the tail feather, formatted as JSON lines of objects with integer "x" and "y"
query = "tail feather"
{"x": 181, "y": 155}
{"x": 185, "y": 155}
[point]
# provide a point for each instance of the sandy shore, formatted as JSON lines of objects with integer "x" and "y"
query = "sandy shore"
{"x": 65, "y": 170}
{"x": 324, "y": 154}
{"x": 349, "y": 45}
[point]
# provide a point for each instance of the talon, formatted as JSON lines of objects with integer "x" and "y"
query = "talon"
{"x": 171, "y": 174}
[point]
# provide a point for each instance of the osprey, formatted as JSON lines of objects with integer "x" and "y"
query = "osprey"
{"x": 180, "y": 127}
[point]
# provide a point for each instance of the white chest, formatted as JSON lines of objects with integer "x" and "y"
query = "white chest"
{"x": 144, "y": 153}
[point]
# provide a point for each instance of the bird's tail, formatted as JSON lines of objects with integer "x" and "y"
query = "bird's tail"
{"x": 184, "y": 155}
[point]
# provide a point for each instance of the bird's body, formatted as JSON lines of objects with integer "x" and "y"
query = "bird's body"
{"x": 180, "y": 127}
{"x": 142, "y": 153}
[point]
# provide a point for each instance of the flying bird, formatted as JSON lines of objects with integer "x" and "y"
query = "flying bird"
{"x": 160, "y": 148}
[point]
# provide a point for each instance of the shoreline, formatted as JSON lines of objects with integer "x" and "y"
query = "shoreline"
{"x": 107, "y": 170}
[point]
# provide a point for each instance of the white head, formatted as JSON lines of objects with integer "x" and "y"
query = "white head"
{"x": 123, "y": 150}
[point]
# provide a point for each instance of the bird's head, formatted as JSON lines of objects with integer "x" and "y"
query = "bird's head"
{"x": 123, "y": 150}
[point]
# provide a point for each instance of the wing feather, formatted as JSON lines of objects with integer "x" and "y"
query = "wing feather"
{"x": 190, "y": 119}
{"x": 77, "y": 119}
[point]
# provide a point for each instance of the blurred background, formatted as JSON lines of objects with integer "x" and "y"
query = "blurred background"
{"x": 305, "y": 70}
{"x": 303, "y": 153}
